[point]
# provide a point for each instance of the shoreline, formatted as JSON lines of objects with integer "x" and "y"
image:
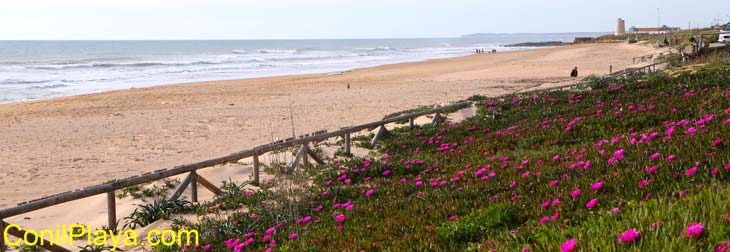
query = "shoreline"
{"x": 309, "y": 72}
{"x": 44, "y": 79}
{"x": 91, "y": 138}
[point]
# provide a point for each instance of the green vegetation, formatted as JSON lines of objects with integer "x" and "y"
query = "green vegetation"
{"x": 161, "y": 208}
{"x": 638, "y": 163}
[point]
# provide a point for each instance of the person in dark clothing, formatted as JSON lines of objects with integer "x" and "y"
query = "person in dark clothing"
{"x": 574, "y": 73}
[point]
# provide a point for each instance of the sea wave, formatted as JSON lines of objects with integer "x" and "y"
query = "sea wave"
{"x": 18, "y": 81}
{"x": 123, "y": 65}
{"x": 278, "y": 51}
{"x": 49, "y": 86}
{"x": 375, "y": 49}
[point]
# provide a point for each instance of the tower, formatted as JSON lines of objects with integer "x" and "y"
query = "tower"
{"x": 620, "y": 27}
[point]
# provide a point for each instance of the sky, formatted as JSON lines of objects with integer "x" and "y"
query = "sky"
{"x": 320, "y": 19}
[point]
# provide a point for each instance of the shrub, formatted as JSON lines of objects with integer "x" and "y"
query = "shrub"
{"x": 161, "y": 208}
{"x": 479, "y": 224}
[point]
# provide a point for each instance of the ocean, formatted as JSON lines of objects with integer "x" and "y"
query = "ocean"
{"x": 31, "y": 70}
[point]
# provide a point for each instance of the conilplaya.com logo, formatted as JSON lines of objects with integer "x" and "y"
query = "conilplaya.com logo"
{"x": 80, "y": 235}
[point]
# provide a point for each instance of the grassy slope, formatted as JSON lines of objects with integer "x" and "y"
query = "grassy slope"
{"x": 482, "y": 184}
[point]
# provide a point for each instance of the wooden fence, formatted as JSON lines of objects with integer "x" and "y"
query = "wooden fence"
{"x": 193, "y": 179}
{"x": 644, "y": 58}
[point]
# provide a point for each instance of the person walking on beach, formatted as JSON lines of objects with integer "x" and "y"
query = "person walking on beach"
{"x": 574, "y": 73}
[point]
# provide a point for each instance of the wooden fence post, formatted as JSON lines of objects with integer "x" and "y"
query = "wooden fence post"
{"x": 256, "y": 169}
{"x": 305, "y": 156}
{"x": 111, "y": 206}
{"x": 347, "y": 143}
{"x": 2, "y": 236}
{"x": 436, "y": 118}
{"x": 208, "y": 185}
{"x": 299, "y": 155}
{"x": 181, "y": 188}
{"x": 314, "y": 156}
{"x": 411, "y": 122}
{"x": 194, "y": 186}
{"x": 377, "y": 136}
{"x": 610, "y": 69}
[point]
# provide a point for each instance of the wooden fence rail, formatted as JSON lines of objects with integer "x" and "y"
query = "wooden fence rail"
{"x": 194, "y": 178}
{"x": 643, "y": 58}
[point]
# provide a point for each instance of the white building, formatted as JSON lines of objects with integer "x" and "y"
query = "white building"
{"x": 620, "y": 27}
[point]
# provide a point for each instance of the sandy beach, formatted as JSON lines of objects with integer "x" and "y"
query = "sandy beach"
{"x": 56, "y": 145}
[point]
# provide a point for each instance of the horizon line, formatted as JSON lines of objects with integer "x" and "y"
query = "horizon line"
{"x": 341, "y": 38}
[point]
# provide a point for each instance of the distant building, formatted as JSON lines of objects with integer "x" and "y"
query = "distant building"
{"x": 620, "y": 27}
{"x": 654, "y": 30}
{"x": 724, "y": 27}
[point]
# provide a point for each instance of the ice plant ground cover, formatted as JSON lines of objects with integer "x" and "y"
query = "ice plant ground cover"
{"x": 634, "y": 164}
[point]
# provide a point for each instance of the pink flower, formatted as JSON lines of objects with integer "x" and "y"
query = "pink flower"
{"x": 568, "y": 246}
{"x": 545, "y": 219}
{"x": 554, "y": 182}
{"x": 669, "y": 131}
{"x": 555, "y": 202}
{"x": 452, "y": 218}
{"x": 369, "y": 192}
{"x": 655, "y": 155}
{"x": 270, "y": 231}
{"x": 723, "y": 247}
{"x": 592, "y": 203}
{"x": 340, "y": 227}
{"x": 340, "y": 218}
{"x": 694, "y": 230}
{"x": 650, "y": 170}
{"x": 575, "y": 193}
{"x": 716, "y": 142}
{"x": 670, "y": 158}
{"x": 690, "y": 171}
{"x": 644, "y": 183}
{"x": 691, "y": 131}
{"x": 293, "y": 236}
{"x": 206, "y": 247}
{"x": 545, "y": 204}
{"x": 597, "y": 186}
{"x": 628, "y": 236}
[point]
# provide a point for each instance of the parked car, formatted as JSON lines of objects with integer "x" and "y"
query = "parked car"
{"x": 725, "y": 35}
